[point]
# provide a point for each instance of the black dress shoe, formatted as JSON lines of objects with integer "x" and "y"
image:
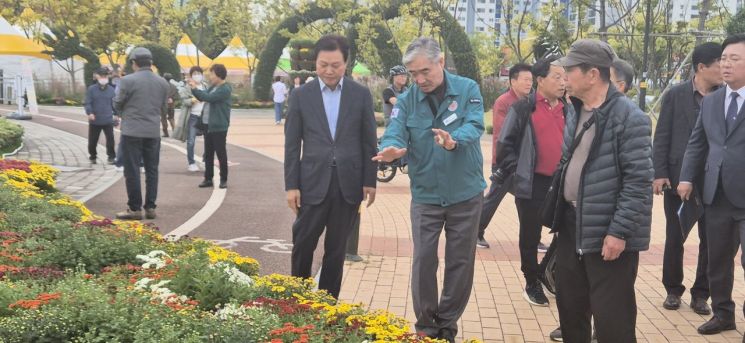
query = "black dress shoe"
{"x": 700, "y": 306}
{"x": 672, "y": 302}
{"x": 223, "y": 184}
{"x": 715, "y": 326}
{"x": 206, "y": 184}
{"x": 446, "y": 335}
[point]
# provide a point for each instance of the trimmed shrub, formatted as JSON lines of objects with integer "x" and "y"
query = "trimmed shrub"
{"x": 11, "y": 136}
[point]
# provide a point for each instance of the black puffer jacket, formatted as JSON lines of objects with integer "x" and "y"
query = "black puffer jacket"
{"x": 516, "y": 151}
{"x": 615, "y": 195}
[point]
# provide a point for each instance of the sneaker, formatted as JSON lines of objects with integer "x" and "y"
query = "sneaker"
{"x": 129, "y": 215}
{"x": 542, "y": 247}
{"x": 223, "y": 184}
{"x": 546, "y": 284}
{"x": 193, "y": 167}
{"x": 111, "y": 160}
{"x": 482, "y": 243}
{"x": 119, "y": 169}
{"x": 534, "y": 294}
{"x": 556, "y": 335}
{"x": 277, "y": 123}
{"x": 150, "y": 213}
{"x": 206, "y": 184}
{"x": 93, "y": 160}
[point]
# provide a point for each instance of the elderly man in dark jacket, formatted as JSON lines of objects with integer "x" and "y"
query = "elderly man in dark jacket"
{"x": 99, "y": 106}
{"x": 605, "y": 201}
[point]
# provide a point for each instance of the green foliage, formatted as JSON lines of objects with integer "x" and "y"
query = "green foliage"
{"x": 276, "y": 43}
{"x": 11, "y": 136}
{"x": 209, "y": 285}
{"x": 163, "y": 59}
{"x": 89, "y": 247}
{"x": 737, "y": 23}
{"x": 65, "y": 43}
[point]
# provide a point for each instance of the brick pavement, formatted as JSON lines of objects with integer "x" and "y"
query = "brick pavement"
{"x": 68, "y": 153}
{"x": 496, "y": 311}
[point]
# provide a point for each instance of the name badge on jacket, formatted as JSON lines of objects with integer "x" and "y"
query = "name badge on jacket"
{"x": 447, "y": 121}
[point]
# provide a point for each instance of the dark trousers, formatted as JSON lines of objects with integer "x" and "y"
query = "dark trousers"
{"x": 215, "y": 143}
{"x": 672, "y": 267}
{"x": 492, "y": 201}
{"x": 726, "y": 224}
{"x": 588, "y": 286}
{"x": 167, "y": 117}
{"x": 335, "y": 215}
{"x": 137, "y": 150}
{"x": 94, "y": 132}
{"x": 353, "y": 241}
{"x": 435, "y": 311}
{"x": 530, "y": 227}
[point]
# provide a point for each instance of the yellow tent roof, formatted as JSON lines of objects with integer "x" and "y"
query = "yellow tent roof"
{"x": 17, "y": 45}
{"x": 235, "y": 56}
{"x": 187, "y": 52}
{"x": 13, "y": 42}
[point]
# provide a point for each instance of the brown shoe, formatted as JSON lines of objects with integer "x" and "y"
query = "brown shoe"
{"x": 129, "y": 215}
{"x": 700, "y": 306}
{"x": 150, "y": 213}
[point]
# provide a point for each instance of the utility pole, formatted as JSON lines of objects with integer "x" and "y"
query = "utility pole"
{"x": 645, "y": 58}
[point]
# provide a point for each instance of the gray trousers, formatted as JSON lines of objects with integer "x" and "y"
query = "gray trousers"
{"x": 461, "y": 224}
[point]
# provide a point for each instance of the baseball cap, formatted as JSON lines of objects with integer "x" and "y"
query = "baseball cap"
{"x": 592, "y": 52}
{"x": 140, "y": 52}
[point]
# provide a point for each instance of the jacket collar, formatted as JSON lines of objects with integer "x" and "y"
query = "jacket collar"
{"x": 612, "y": 94}
{"x": 449, "y": 91}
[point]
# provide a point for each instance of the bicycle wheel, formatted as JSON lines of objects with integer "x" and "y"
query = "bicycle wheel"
{"x": 386, "y": 172}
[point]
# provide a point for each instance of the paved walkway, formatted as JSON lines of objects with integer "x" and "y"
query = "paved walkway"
{"x": 68, "y": 153}
{"x": 254, "y": 219}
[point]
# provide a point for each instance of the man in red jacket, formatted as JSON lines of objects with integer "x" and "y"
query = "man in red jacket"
{"x": 521, "y": 82}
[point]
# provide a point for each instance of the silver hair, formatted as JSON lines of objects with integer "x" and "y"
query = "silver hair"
{"x": 425, "y": 46}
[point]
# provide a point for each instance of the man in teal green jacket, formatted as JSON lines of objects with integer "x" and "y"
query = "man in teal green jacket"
{"x": 438, "y": 123}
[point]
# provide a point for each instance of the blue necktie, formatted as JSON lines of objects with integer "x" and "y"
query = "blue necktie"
{"x": 732, "y": 111}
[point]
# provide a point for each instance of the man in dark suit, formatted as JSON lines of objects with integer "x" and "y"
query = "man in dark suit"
{"x": 331, "y": 121}
{"x": 680, "y": 108}
{"x": 717, "y": 146}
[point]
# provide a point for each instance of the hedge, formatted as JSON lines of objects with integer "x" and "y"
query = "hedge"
{"x": 163, "y": 59}
{"x": 11, "y": 136}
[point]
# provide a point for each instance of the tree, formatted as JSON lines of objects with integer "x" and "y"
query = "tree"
{"x": 737, "y": 23}
{"x": 65, "y": 44}
{"x": 487, "y": 52}
{"x": 255, "y": 23}
{"x": 163, "y": 21}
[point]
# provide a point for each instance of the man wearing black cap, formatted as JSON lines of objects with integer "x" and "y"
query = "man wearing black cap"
{"x": 605, "y": 201}
{"x": 140, "y": 99}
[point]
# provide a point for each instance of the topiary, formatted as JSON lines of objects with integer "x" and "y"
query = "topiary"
{"x": 737, "y": 23}
{"x": 163, "y": 59}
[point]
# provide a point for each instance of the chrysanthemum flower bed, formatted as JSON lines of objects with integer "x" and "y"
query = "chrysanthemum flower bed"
{"x": 67, "y": 275}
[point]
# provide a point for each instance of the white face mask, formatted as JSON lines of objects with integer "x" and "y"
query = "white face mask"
{"x": 198, "y": 77}
{"x": 103, "y": 82}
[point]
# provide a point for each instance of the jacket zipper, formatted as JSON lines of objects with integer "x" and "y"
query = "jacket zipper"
{"x": 580, "y": 193}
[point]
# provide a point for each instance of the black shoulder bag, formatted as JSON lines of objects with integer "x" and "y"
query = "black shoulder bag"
{"x": 553, "y": 203}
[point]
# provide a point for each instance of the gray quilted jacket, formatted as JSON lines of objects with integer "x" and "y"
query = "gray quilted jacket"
{"x": 615, "y": 195}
